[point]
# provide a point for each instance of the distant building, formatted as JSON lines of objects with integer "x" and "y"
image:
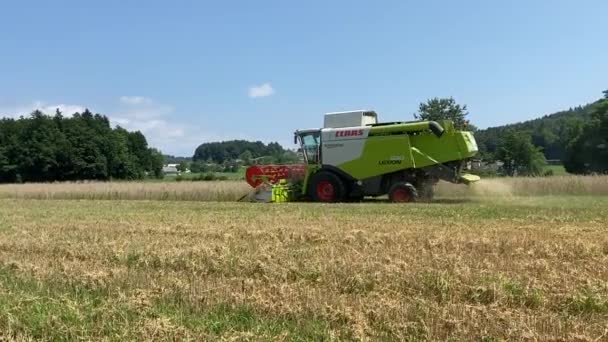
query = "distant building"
{"x": 170, "y": 169}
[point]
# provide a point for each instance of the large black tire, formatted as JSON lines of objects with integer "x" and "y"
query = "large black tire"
{"x": 402, "y": 192}
{"x": 326, "y": 187}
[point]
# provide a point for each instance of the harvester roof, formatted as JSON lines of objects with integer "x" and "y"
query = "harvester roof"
{"x": 352, "y": 118}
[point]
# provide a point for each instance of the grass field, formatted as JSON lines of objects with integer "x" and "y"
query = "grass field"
{"x": 557, "y": 170}
{"x": 481, "y": 265}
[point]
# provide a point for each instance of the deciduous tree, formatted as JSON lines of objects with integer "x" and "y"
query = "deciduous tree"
{"x": 519, "y": 155}
{"x": 588, "y": 153}
{"x": 437, "y": 109}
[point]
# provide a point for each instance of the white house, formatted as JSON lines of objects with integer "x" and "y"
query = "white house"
{"x": 170, "y": 169}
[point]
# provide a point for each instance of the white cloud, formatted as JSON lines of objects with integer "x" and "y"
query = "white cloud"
{"x": 160, "y": 125}
{"x": 262, "y": 90}
{"x": 139, "y": 113}
{"x": 135, "y": 100}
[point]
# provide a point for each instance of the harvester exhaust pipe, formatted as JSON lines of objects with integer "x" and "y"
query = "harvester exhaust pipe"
{"x": 436, "y": 128}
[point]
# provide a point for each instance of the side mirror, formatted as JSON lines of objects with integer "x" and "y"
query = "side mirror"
{"x": 295, "y": 139}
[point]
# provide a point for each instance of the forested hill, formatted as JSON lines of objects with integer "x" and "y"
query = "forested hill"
{"x": 551, "y": 132}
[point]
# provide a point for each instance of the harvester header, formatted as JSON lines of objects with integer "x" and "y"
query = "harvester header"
{"x": 354, "y": 156}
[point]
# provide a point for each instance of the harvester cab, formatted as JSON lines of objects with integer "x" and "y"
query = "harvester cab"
{"x": 354, "y": 156}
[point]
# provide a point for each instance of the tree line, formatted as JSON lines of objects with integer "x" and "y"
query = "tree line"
{"x": 43, "y": 148}
{"x": 246, "y": 151}
{"x": 578, "y": 137}
{"x": 551, "y": 132}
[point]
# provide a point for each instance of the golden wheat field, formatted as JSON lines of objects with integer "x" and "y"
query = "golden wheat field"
{"x": 170, "y": 191}
{"x": 233, "y": 190}
{"x": 483, "y": 264}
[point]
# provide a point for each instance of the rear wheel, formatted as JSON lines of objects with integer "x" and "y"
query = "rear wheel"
{"x": 402, "y": 193}
{"x": 326, "y": 187}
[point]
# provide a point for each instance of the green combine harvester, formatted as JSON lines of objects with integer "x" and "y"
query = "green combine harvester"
{"x": 354, "y": 156}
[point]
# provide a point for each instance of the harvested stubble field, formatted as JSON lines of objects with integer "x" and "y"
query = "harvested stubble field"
{"x": 485, "y": 267}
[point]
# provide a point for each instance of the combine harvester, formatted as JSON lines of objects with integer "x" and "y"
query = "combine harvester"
{"x": 354, "y": 156}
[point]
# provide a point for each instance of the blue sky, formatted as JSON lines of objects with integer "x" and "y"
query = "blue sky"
{"x": 185, "y": 72}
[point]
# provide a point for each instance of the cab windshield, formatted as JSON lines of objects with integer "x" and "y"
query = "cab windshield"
{"x": 310, "y": 142}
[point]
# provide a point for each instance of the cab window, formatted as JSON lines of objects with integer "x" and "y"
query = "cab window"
{"x": 310, "y": 146}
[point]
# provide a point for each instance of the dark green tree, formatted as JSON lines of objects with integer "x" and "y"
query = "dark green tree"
{"x": 197, "y": 166}
{"x": 588, "y": 153}
{"x": 42, "y": 148}
{"x": 155, "y": 163}
{"x": 11, "y": 151}
{"x": 138, "y": 147}
{"x": 519, "y": 155}
{"x": 437, "y": 109}
{"x": 246, "y": 157}
{"x": 122, "y": 164}
{"x": 182, "y": 167}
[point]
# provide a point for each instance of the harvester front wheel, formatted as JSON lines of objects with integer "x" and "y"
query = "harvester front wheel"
{"x": 326, "y": 187}
{"x": 402, "y": 192}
